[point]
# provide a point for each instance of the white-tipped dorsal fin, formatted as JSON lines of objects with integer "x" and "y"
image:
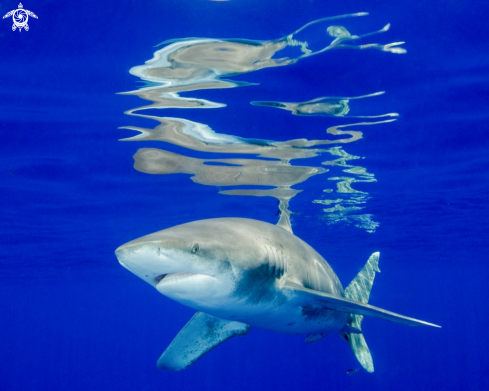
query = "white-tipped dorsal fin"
{"x": 199, "y": 336}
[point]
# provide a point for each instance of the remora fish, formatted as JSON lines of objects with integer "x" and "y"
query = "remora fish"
{"x": 240, "y": 272}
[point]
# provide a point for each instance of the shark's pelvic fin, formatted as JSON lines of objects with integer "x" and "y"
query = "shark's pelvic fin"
{"x": 305, "y": 296}
{"x": 199, "y": 336}
{"x": 311, "y": 338}
{"x": 359, "y": 290}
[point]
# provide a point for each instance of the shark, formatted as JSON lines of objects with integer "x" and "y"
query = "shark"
{"x": 238, "y": 272}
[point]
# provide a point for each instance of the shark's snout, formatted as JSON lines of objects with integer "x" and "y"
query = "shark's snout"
{"x": 144, "y": 260}
{"x": 121, "y": 255}
{"x": 155, "y": 256}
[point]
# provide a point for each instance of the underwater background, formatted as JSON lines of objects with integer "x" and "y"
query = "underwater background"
{"x": 415, "y": 189}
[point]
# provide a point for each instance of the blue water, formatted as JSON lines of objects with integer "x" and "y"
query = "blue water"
{"x": 74, "y": 319}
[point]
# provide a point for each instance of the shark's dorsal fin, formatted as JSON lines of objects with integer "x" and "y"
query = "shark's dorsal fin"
{"x": 305, "y": 296}
{"x": 284, "y": 220}
{"x": 199, "y": 336}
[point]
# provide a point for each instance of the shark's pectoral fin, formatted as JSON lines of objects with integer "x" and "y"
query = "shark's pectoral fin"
{"x": 199, "y": 336}
{"x": 305, "y": 296}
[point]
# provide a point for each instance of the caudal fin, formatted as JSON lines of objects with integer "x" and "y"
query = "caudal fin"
{"x": 359, "y": 290}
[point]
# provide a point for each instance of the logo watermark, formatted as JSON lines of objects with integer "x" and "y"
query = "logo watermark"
{"x": 20, "y": 16}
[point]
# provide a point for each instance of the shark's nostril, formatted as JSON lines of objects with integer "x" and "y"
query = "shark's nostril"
{"x": 160, "y": 277}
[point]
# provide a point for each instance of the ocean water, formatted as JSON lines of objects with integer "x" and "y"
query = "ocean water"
{"x": 410, "y": 182}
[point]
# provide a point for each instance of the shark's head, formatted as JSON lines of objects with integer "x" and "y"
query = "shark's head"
{"x": 195, "y": 263}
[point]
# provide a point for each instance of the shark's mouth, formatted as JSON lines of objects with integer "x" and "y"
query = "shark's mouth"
{"x": 172, "y": 276}
{"x": 160, "y": 277}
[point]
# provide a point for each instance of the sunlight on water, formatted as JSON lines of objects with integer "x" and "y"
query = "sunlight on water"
{"x": 193, "y": 64}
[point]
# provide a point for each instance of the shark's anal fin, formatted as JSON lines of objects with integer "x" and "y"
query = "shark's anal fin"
{"x": 305, "y": 296}
{"x": 199, "y": 336}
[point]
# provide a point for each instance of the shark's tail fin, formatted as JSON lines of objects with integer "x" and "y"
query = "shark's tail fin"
{"x": 359, "y": 290}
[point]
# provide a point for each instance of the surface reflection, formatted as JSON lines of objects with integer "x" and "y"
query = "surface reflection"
{"x": 192, "y": 64}
{"x": 344, "y": 205}
{"x": 232, "y": 172}
{"x": 326, "y": 106}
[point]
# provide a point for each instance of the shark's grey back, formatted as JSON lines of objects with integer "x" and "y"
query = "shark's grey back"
{"x": 239, "y": 273}
{"x": 256, "y": 243}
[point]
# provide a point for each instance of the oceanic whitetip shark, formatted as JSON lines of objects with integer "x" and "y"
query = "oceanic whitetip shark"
{"x": 239, "y": 273}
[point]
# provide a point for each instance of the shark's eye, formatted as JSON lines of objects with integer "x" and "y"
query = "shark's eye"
{"x": 195, "y": 248}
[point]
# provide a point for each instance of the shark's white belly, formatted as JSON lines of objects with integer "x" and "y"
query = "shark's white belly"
{"x": 286, "y": 318}
{"x": 273, "y": 311}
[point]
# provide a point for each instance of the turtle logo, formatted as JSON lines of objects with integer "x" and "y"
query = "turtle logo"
{"x": 20, "y": 17}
